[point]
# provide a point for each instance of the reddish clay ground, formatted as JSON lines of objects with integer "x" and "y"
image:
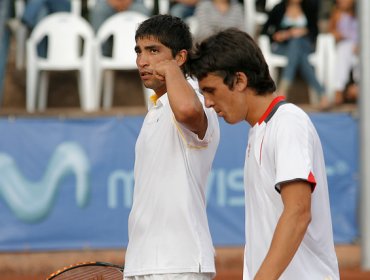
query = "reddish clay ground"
{"x": 229, "y": 262}
{"x": 347, "y": 274}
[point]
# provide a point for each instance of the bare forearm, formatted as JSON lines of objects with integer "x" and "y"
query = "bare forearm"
{"x": 180, "y": 92}
{"x": 288, "y": 235}
{"x": 185, "y": 104}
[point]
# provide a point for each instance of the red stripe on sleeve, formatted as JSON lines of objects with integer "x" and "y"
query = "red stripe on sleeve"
{"x": 311, "y": 179}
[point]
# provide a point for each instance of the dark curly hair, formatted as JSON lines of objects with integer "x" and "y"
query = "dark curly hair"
{"x": 168, "y": 30}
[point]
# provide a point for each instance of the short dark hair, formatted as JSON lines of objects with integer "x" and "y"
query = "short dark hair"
{"x": 228, "y": 52}
{"x": 169, "y": 30}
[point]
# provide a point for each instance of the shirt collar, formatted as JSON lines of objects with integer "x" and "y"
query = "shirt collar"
{"x": 272, "y": 108}
{"x": 155, "y": 101}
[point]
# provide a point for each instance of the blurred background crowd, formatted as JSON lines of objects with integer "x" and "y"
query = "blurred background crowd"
{"x": 312, "y": 41}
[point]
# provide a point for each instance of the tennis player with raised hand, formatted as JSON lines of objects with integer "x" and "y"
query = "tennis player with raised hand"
{"x": 288, "y": 222}
{"x": 169, "y": 237}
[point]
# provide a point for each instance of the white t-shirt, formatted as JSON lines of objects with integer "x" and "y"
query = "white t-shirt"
{"x": 168, "y": 226}
{"x": 284, "y": 146}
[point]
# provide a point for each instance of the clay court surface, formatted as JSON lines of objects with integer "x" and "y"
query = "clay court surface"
{"x": 36, "y": 266}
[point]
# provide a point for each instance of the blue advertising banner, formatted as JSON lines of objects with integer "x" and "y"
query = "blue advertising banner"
{"x": 339, "y": 138}
{"x": 68, "y": 183}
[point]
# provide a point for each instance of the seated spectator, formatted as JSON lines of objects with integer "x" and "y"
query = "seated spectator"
{"x": 343, "y": 25}
{"x": 183, "y": 8}
{"x": 103, "y": 9}
{"x": 292, "y": 26}
{"x": 35, "y": 10}
{"x": 214, "y": 15}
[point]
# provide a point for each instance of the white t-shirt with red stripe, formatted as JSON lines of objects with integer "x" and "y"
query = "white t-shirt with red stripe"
{"x": 284, "y": 146}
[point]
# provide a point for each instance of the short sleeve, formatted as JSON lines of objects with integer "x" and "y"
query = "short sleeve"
{"x": 294, "y": 150}
{"x": 192, "y": 140}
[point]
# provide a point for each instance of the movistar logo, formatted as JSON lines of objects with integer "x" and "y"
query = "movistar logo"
{"x": 32, "y": 201}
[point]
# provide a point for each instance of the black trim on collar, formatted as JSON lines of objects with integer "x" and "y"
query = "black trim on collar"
{"x": 273, "y": 111}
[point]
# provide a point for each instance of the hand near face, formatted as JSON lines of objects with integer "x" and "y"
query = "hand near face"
{"x": 165, "y": 68}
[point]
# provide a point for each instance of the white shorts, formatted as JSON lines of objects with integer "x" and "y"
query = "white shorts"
{"x": 173, "y": 276}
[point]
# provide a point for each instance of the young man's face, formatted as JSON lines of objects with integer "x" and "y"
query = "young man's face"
{"x": 227, "y": 103}
{"x": 149, "y": 52}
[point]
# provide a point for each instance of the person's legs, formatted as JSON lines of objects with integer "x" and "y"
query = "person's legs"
{"x": 182, "y": 11}
{"x": 138, "y": 6}
{"x": 31, "y": 12}
{"x": 308, "y": 73}
{"x": 290, "y": 50}
{"x": 5, "y": 13}
{"x": 55, "y": 6}
{"x": 307, "y": 69}
{"x": 36, "y": 10}
{"x": 100, "y": 13}
{"x": 50, "y": 6}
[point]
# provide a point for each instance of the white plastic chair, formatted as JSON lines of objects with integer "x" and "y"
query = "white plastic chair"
{"x": 274, "y": 61}
{"x": 323, "y": 60}
{"x": 253, "y": 19}
{"x": 122, "y": 26}
{"x": 64, "y": 53}
{"x": 21, "y": 32}
{"x": 76, "y": 7}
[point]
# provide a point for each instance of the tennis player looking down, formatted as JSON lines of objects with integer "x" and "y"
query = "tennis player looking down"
{"x": 288, "y": 221}
{"x": 169, "y": 237}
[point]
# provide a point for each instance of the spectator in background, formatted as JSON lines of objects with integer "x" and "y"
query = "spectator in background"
{"x": 288, "y": 223}
{"x": 183, "y": 8}
{"x": 343, "y": 25}
{"x": 5, "y": 14}
{"x": 35, "y": 10}
{"x": 33, "y": 13}
{"x": 103, "y": 9}
{"x": 214, "y": 15}
{"x": 292, "y": 26}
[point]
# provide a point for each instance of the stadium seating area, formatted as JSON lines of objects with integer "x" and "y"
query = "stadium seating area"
{"x": 25, "y": 88}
